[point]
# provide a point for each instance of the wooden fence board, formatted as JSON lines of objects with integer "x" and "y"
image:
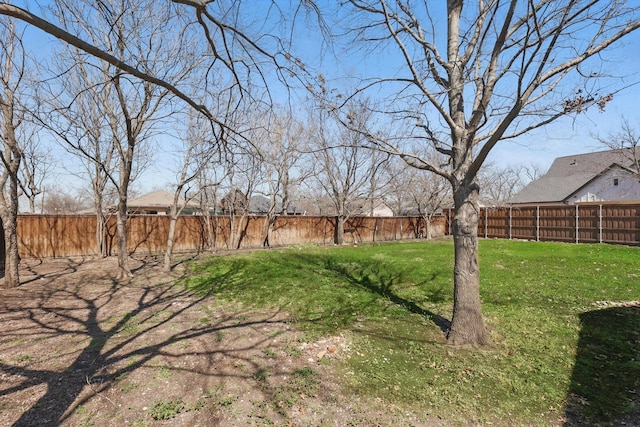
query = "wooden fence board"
{"x": 614, "y": 223}
{"x": 42, "y": 236}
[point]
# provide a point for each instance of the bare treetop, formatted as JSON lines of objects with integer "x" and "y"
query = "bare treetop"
{"x": 492, "y": 70}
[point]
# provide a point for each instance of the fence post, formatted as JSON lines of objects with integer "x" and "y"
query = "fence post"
{"x": 510, "y": 219}
{"x": 577, "y": 225}
{"x": 537, "y": 223}
{"x": 600, "y": 224}
{"x": 486, "y": 222}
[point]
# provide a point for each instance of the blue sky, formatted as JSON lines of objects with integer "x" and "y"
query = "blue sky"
{"x": 570, "y": 135}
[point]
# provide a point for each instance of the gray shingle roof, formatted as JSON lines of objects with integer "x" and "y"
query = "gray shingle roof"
{"x": 159, "y": 199}
{"x": 568, "y": 174}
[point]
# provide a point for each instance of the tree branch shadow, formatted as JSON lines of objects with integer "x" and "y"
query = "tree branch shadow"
{"x": 375, "y": 280}
{"x": 103, "y": 345}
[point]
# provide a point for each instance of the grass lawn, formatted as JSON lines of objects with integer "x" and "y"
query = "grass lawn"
{"x": 564, "y": 344}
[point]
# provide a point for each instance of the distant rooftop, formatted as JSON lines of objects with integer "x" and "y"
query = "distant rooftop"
{"x": 569, "y": 173}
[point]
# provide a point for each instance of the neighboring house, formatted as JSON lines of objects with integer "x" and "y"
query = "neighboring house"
{"x": 159, "y": 203}
{"x": 259, "y": 205}
{"x": 370, "y": 207}
{"x": 593, "y": 177}
{"x": 234, "y": 202}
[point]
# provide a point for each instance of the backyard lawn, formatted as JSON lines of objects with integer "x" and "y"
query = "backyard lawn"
{"x": 565, "y": 323}
{"x": 326, "y": 336}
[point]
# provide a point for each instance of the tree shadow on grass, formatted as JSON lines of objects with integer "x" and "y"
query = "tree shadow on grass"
{"x": 605, "y": 384}
{"x": 374, "y": 279}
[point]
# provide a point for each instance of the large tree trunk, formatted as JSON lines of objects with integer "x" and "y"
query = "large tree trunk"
{"x": 12, "y": 258}
{"x": 9, "y": 215}
{"x": 467, "y": 323}
{"x": 338, "y": 237}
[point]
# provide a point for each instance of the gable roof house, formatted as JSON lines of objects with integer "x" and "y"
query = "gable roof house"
{"x": 370, "y": 207}
{"x": 159, "y": 203}
{"x": 602, "y": 176}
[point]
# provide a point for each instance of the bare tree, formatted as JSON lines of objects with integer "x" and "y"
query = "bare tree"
{"x": 627, "y": 140}
{"x": 36, "y": 163}
{"x": 499, "y": 184}
{"x": 476, "y": 73}
{"x": 342, "y": 166}
{"x": 13, "y": 66}
{"x": 199, "y": 148}
{"x": 209, "y": 180}
{"x": 59, "y": 201}
{"x": 243, "y": 175}
{"x": 281, "y": 154}
{"x": 137, "y": 33}
{"x": 72, "y": 111}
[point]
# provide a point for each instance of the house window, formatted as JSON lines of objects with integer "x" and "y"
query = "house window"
{"x": 615, "y": 182}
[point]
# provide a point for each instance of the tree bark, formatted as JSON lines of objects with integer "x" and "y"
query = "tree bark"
{"x": 175, "y": 213}
{"x": 12, "y": 259}
{"x": 121, "y": 230}
{"x": 467, "y": 323}
{"x": 338, "y": 238}
{"x": 168, "y": 255}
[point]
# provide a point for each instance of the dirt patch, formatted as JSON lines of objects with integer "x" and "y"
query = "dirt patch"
{"x": 80, "y": 347}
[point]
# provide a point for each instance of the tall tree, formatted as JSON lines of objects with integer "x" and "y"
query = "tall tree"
{"x": 136, "y": 33}
{"x": 476, "y": 73}
{"x": 72, "y": 112}
{"x": 13, "y": 97}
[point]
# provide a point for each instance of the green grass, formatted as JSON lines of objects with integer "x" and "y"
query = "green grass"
{"x": 558, "y": 351}
{"x": 166, "y": 409}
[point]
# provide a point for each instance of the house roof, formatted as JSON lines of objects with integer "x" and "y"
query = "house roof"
{"x": 260, "y": 204}
{"x": 568, "y": 174}
{"x": 156, "y": 199}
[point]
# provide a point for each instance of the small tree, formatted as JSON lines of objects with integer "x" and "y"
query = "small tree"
{"x": 198, "y": 150}
{"x": 498, "y": 185}
{"x": 342, "y": 167}
{"x": 627, "y": 140}
{"x": 281, "y": 154}
{"x": 36, "y": 163}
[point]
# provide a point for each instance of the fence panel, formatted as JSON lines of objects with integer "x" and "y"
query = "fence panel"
{"x": 621, "y": 224}
{"x": 497, "y": 223}
{"x": 557, "y": 223}
{"x": 615, "y": 223}
{"x": 589, "y": 224}
{"x": 524, "y": 223}
{"x": 42, "y": 236}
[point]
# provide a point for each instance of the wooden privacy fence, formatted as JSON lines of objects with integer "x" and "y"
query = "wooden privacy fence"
{"x": 42, "y": 236}
{"x": 584, "y": 223}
